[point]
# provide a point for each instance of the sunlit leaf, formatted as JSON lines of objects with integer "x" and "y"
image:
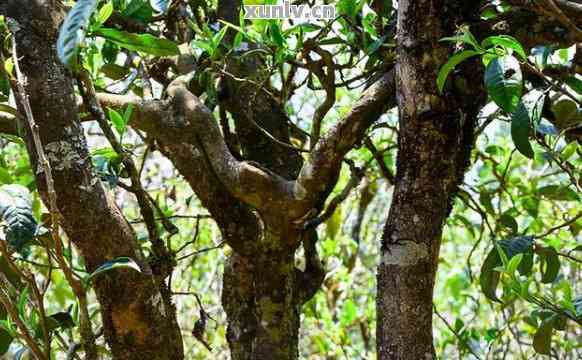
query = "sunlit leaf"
{"x": 455, "y": 60}
{"x": 105, "y": 12}
{"x": 505, "y": 41}
{"x": 118, "y": 263}
{"x": 558, "y": 193}
{"x": 504, "y": 82}
{"x": 117, "y": 121}
{"x": 145, "y": 43}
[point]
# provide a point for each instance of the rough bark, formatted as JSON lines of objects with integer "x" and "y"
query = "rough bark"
{"x": 138, "y": 317}
{"x": 263, "y": 291}
{"x": 435, "y": 141}
{"x": 260, "y": 202}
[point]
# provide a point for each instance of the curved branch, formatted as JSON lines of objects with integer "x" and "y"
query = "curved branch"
{"x": 246, "y": 182}
{"x": 323, "y": 166}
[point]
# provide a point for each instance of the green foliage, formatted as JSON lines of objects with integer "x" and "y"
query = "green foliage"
{"x": 16, "y": 211}
{"x": 117, "y": 263}
{"x": 504, "y": 298}
{"x": 455, "y": 60}
{"x": 145, "y": 43}
{"x": 502, "y": 253}
{"x": 504, "y": 82}
{"x": 73, "y": 32}
{"x": 526, "y": 117}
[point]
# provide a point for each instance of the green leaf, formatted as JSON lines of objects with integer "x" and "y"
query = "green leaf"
{"x": 455, "y": 60}
{"x": 117, "y": 121}
{"x": 160, "y": 6}
{"x": 127, "y": 115}
{"x": 333, "y": 225}
{"x": 509, "y": 222}
{"x": 505, "y": 41}
{"x": 22, "y": 300}
{"x": 574, "y": 83}
{"x": 550, "y": 264}
{"x": 466, "y": 37}
{"x": 542, "y": 340}
{"x": 504, "y": 82}
{"x": 349, "y": 7}
{"x": 5, "y": 341}
{"x": 72, "y": 32}
{"x": 540, "y": 56}
{"x": 558, "y": 193}
{"x": 349, "y": 313}
{"x": 118, "y": 263}
{"x": 10, "y": 110}
{"x": 16, "y": 211}
{"x": 105, "y": 12}
{"x": 526, "y": 264}
{"x": 217, "y": 38}
{"x": 60, "y": 320}
{"x": 565, "y": 110}
{"x": 303, "y": 27}
{"x": 486, "y": 201}
{"x": 514, "y": 263}
{"x": 489, "y": 277}
{"x": 204, "y": 45}
{"x": 276, "y": 36}
{"x": 145, "y": 43}
{"x": 114, "y": 71}
{"x": 139, "y": 10}
{"x": 520, "y": 130}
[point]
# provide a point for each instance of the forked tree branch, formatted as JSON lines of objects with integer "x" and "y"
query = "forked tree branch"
{"x": 324, "y": 163}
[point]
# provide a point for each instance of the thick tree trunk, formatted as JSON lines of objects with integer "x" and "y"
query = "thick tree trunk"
{"x": 263, "y": 295}
{"x": 139, "y": 319}
{"x": 262, "y": 300}
{"x": 435, "y": 141}
{"x": 264, "y": 319}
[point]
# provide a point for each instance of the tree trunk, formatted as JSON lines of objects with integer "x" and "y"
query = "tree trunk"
{"x": 139, "y": 319}
{"x": 262, "y": 297}
{"x": 435, "y": 140}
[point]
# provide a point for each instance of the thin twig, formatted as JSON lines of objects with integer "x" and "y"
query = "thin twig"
{"x": 196, "y": 253}
{"x": 380, "y": 160}
{"x": 13, "y": 312}
{"x": 558, "y": 227}
{"x": 457, "y": 335}
{"x": 357, "y": 175}
{"x": 147, "y": 210}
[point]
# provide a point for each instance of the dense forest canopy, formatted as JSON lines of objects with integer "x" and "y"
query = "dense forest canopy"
{"x": 373, "y": 179}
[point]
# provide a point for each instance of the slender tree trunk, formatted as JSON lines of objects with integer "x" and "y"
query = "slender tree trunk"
{"x": 139, "y": 319}
{"x": 435, "y": 141}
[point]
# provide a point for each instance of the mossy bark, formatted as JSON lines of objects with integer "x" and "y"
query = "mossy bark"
{"x": 434, "y": 145}
{"x": 139, "y": 320}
